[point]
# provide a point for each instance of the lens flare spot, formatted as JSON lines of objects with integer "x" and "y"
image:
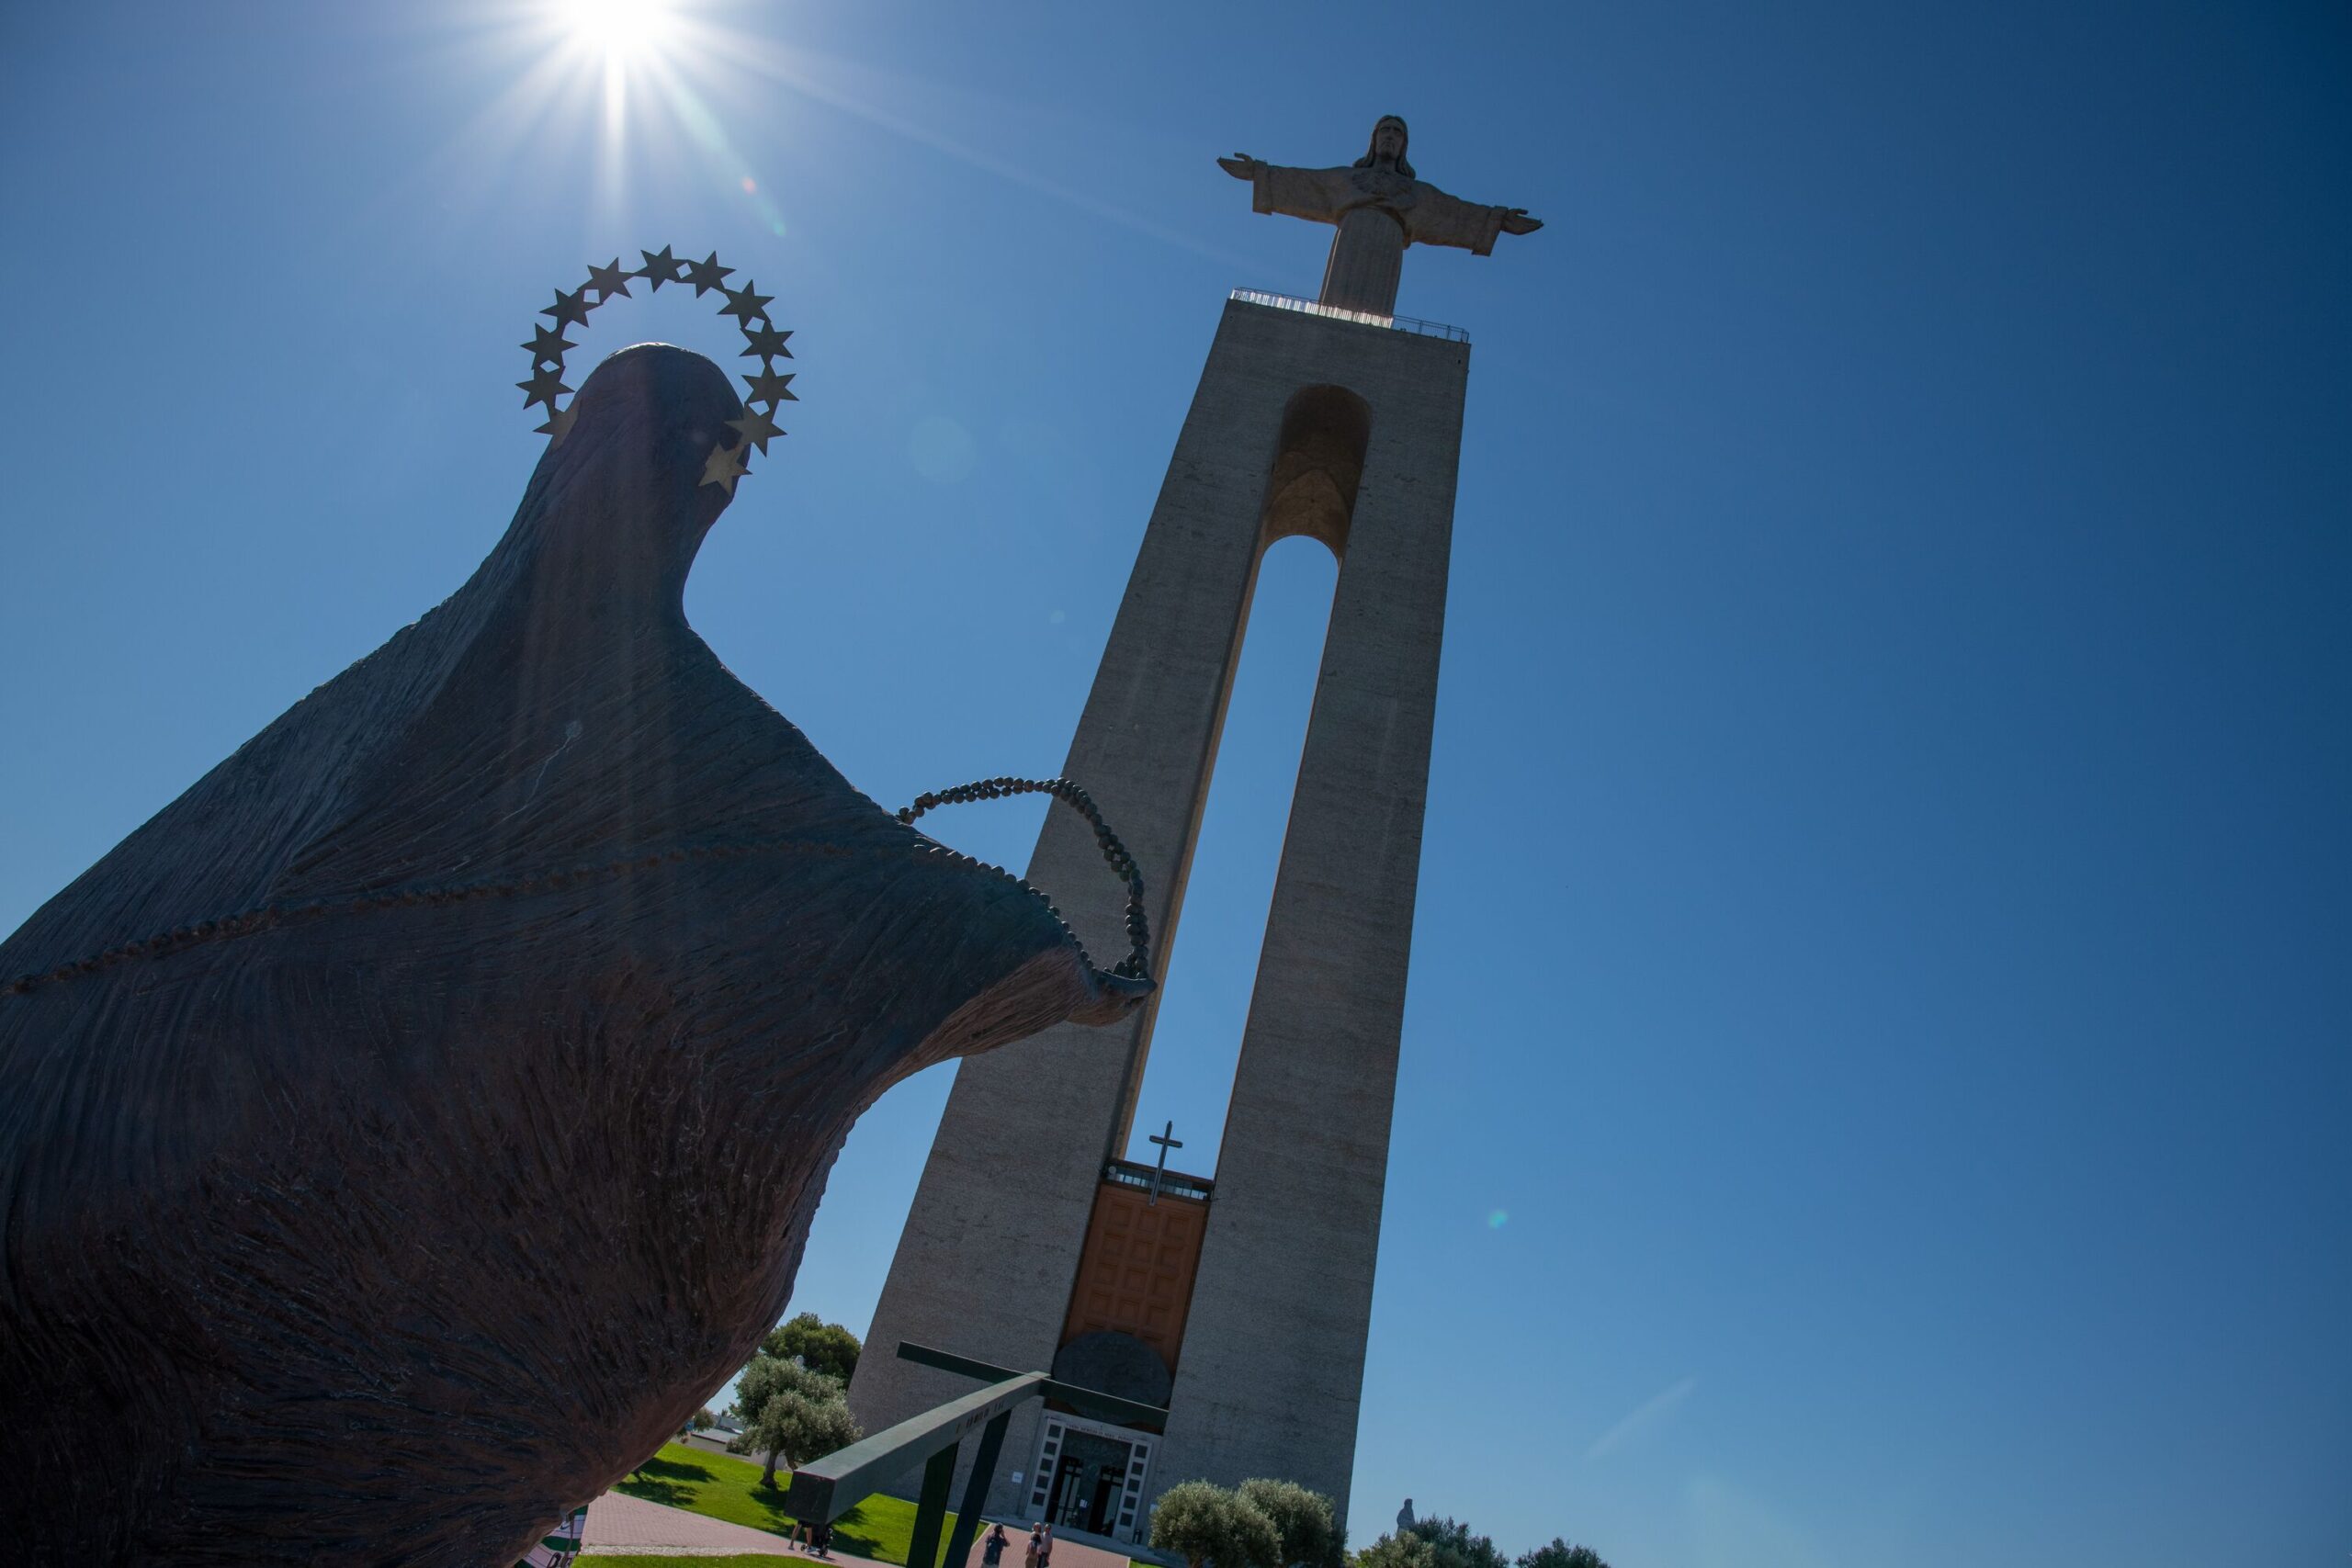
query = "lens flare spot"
{"x": 751, "y": 186}
{"x": 941, "y": 450}
{"x": 1496, "y": 1220}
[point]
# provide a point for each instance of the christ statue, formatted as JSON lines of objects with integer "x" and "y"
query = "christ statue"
{"x": 1380, "y": 208}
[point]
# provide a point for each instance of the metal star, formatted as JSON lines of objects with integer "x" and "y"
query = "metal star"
{"x": 545, "y": 344}
{"x": 754, "y": 430}
{"x": 743, "y": 304}
{"x": 663, "y": 268}
{"x": 756, "y": 427}
{"x": 609, "y": 280}
{"x": 545, "y": 385}
{"x": 766, "y": 341}
{"x": 568, "y": 309}
{"x": 770, "y": 388}
{"x": 725, "y": 466}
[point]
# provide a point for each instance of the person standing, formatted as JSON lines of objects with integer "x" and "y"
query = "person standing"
{"x": 1046, "y": 1548}
{"x": 1036, "y": 1536}
{"x": 993, "y": 1549}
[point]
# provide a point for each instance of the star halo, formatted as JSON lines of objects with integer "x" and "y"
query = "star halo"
{"x": 546, "y": 349}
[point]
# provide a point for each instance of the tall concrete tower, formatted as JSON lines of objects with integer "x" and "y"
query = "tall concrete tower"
{"x": 1241, "y": 1302}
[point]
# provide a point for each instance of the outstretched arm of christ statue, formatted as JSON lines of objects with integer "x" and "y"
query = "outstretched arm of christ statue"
{"x": 1324, "y": 195}
{"x": 1437, "y": 218}
{"x": 1319, "y": 195}
{"x": 1378, "y": 208}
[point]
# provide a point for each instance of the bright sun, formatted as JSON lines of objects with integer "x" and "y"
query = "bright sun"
{"x": 621, "y": 29}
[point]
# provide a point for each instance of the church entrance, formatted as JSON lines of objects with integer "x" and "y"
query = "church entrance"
{"x": 1089, "y": 1478}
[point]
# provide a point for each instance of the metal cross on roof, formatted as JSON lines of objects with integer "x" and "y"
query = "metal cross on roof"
{"x": 1167, "y": 1140}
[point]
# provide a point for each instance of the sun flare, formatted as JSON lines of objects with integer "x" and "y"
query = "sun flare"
{"x": 619, "y": 30}
{"x": 630, "y": 87}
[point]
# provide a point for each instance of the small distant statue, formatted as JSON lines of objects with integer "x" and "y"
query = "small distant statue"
{"x": 1405, "y": 1517}
{"x": 1379, "y": 209}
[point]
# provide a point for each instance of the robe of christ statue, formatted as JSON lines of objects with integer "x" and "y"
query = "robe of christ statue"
{"x": 408, "y": 1127}
{"x": 1379, "y": 207}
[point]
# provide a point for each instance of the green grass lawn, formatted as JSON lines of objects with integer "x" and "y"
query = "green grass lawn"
{"x": 727, "y": 1487}
{"x": 732, "y": 1560}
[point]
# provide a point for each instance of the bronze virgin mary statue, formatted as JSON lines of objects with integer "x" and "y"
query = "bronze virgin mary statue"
{"x": 408, "y": 1128}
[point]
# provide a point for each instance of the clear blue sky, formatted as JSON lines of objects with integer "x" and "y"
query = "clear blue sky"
{"x": 1876, "y": 1086}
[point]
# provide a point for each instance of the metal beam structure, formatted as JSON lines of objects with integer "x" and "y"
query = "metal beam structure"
{"x": 1085, "y": 1400}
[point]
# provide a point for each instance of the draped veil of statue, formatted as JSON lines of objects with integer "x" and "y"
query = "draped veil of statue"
{"x": 460, "y": 1131}
{"x": 1379, "y": 207}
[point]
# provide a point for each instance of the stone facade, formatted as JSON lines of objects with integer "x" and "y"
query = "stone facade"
{"x": 1301, "y": 425}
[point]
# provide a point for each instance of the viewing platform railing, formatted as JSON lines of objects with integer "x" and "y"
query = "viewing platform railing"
{"x": 1315, "y": 308}
{"x": 1173, "y": 1183}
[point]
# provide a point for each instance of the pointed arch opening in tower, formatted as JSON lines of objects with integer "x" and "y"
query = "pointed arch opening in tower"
{"x": 1229, "y": 886}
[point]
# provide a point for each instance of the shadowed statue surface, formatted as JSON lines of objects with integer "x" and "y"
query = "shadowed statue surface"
{"x": 414, "y": 1121}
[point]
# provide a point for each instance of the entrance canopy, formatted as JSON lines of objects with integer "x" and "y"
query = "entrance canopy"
{"x": 825, "y": 1489}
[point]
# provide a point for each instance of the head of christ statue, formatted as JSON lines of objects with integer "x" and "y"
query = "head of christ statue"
{"x": 1388, "y": 137}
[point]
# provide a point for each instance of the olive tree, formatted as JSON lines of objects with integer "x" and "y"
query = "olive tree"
{"x": 820, "y": 1346}
{"x": 1452, "y": 1545}
{"x": 1560, "y": 1554}
{"x": 1302, "y": 1519}
{"x": 793, "y": 1413}
{"x": 1402, "y": 1551}
{"x": 1209, "y": 1526}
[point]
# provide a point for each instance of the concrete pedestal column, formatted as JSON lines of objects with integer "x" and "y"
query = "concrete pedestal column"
{"x": 1268, "y": 1382}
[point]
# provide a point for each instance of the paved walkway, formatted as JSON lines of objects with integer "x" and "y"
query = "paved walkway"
{"x": 618, "y": 1523}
